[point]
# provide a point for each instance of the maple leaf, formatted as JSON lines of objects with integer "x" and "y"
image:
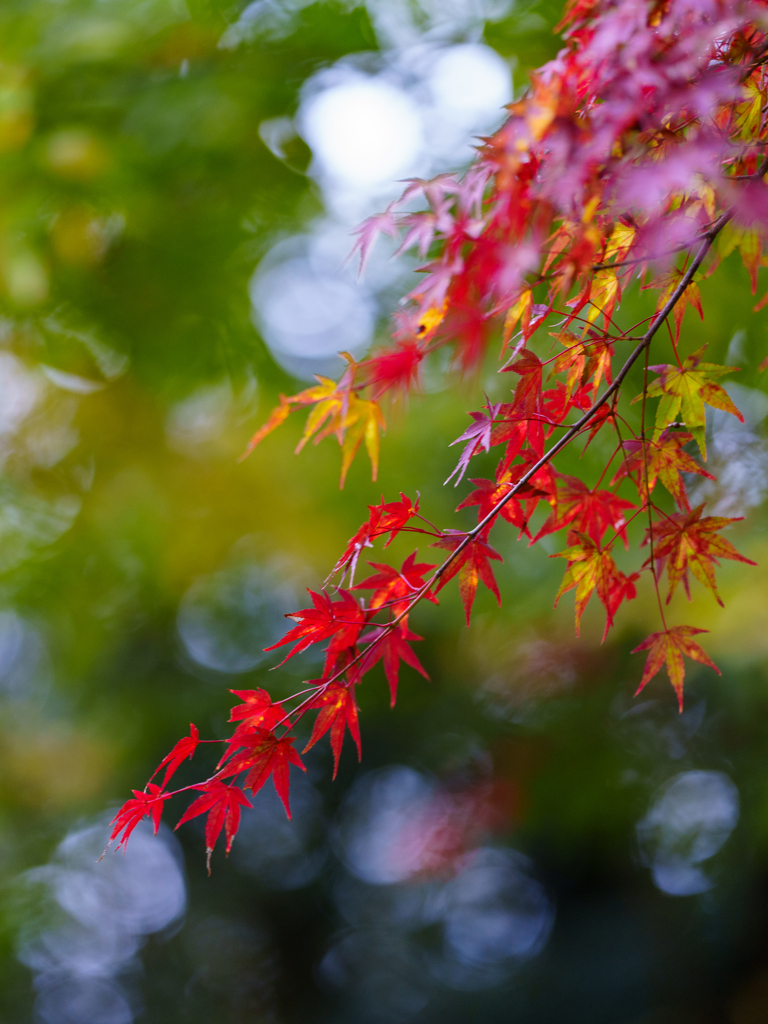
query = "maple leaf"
{"x": 142, "y": 805}
{"x": 340, "y": 620}
{"x": 472, "y": 566}
{"x": 620, "y": 588}
{"x": 361, "y": 421}
{"x": 395, "y": 369}
{"x": 223, "y": 803}
{"x": 394, "y": 516}
{"x": 687, "y": 541}
{"x": 262, "y": 755}
{"x": 683, "y": 392}
{"x": 355, "y": 544}
{"x": 338, "y": 711}
{"x": 591, "y": 570}
{"x": 586, "y": 510}
{"x": 663, "y": 459}
{"x": 185, "y": 747}
{"x": 276, "y": 418}
{"x": 519, "y": 312}
{"x": 390, "y": 517}
{"x": 369, "y": 231}
{"x": 478, "y": 438}
{"x": 330, "y": 400}
{"x": 605, "y": 414}
{"x": 556, "y": 403}
{"x": 421, "y": 231}
{"x": 337, "y": 410}
{"x": 669, "y": 646}
{"x": 490, "y": 493}
{"x": 257, "y": 710}
{"x": 603, "y": 294}
{"x": 584, "y": 360}
{"x": 528, "y": 391}
{"x": 523, "y": 418}
{"x": 324, "y": 393}
{"x": 395, "y": 587}
{"x": 393, "y": 648}
{"x": 690, "y": 297}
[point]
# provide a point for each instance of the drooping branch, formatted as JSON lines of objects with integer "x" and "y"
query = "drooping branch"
{"x": 593, "y": 165}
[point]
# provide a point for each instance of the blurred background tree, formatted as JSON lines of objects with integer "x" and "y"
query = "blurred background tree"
{"x": 177, "y": 187}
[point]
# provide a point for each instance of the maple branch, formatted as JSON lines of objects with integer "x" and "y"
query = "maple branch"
{"x": 648, "y": 502}
{"x": 577, "y": 427}
{"x": 658, "y": 319}
{"x": 338, "y": 409}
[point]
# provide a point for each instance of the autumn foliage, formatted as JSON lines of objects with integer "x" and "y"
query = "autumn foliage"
{"x": 637, "y": 155}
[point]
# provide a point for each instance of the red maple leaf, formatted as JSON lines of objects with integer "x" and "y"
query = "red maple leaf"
{"x": 338, "y": 711}
{"x": 185, "y": 747}
{"x": 395, "y": 588}
{"x": 394, "y": 369}
{"x": 223, "y": 803}
{"x": 472, "y": 566}
{"x": 620, "y": 588}
{"x": 257, "y": 708}
{"x": 263, "y": 754}
{"x": 663, "y": 460}
{"x": 478, "y": 438}
{"x": 393, "y": 648}
{"x": 489, "y": 494}
{"x": 522, "y": 419}
{"x": 256, "y": 711}
{"x": 670, "y": 645}
{"x": 393, "y": 516}
{"x": 390, "y": 517}
{"x": 584, "y": 361}
{"x": 340, "y": 620}
{"x": 355, "y": 544}
{"x": 586, "y": 510}
{"x": 142, "y": 805}
{"x": 686, "y": 541}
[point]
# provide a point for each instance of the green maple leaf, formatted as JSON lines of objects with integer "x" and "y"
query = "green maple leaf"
{"x": 684, "y": 391}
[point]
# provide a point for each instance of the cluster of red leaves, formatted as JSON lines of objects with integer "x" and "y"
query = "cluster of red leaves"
{"x": 636, "y": 153}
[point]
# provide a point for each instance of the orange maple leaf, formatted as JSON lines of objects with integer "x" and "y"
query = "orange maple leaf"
{"x": 669, "y": 646}
{"x": 337, "y": 410}
{"x": 586, "y": 510}
{"x": 583, "y": 360}
{"x": 663, "y": 460}
{"x": 591, "y": 570}
{"x": 687, "y": 541}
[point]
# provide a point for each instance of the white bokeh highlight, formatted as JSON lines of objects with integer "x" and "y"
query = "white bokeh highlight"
{"x": 414, "y": 109}
{"x": 364, "y": 132}
{"x": 689, "y": 822}
{"x": 489, "y": 912}
{"x": 105, "y": 909}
